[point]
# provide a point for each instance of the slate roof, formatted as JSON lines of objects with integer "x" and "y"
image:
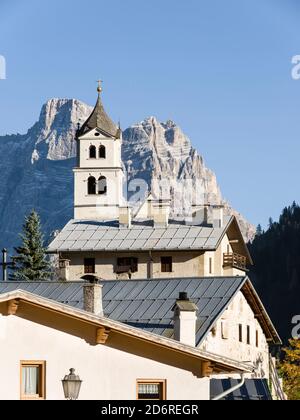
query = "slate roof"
{"x": 253, "y": 389}
{"x": 146, "y": 304}
{"x": 83, "y": 235}
{"x": 99, "y": 119}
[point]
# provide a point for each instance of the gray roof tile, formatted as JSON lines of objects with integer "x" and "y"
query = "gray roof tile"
{"x": 103, "y": 236}
{"x": 146, "y": 303}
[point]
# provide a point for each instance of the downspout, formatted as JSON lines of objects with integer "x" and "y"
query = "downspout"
{"x": 150, "y": 266}
{"x": 231, "y": 390}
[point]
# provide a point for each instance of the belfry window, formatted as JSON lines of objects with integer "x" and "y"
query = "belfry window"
{"x": 91, "y": 186}
{"x": 102, "y": 152}
{"x": 93, "y": 152}
{"x": 102, "y": 185}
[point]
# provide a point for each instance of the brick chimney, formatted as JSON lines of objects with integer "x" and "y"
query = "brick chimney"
{"x": 185, "y": 319}
{"x": 92, "y": 297}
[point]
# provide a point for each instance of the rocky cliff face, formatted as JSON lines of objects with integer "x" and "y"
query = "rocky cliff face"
{"x": 36, "y": 168}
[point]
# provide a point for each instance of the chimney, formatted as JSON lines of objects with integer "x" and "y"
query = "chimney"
{"x": 125, "y": 216}
{"x": 92, "y": 297}
{"x": 218, "y": 216}
{"x": 64, "y": 269}
{"x": 185, "y": 319}
{"x": 201, "y": 215}
{"x": 160, "y": 211}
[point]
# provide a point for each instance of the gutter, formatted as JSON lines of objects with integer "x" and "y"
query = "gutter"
{"x": 230, "y": 390}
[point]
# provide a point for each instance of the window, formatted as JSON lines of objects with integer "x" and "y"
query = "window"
{"x": 89, "y": 265}
{"x": 124, "y": 265}
{"x": 151, "y": 390}
{"x": 102, "y": 152}
{"x": 257, "y": 339}
{"x": 210, "y": 266}
{"x": 240, "y": 333}
{"x": 93, "y": 152}
{"x": 225, "y": 330}
{"x": 102, "y": 185}
{"x": 33, "y": 380}
{"x": 248, "y": 335}
{"x": 91, "y": 186}
{"x": 166, "y": 264}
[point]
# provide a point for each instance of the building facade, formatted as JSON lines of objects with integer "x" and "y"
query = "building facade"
{"x": 114, "y": 361}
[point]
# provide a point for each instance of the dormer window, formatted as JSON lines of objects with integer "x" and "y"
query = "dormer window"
{"x": 102, "y": 185}
{"x": 102, "y": 152}
{"x": 93, "y": 152}
{"x": 91, "y": 186}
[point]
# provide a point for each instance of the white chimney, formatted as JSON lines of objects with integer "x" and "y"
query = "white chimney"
{"x": 64, "y": 269}
{"x": 185, "y": 319}
{"x": 125, "y": 216}
{"x": 92, "y": 298}
{"x": 201, "y": 215}
{"x": 160, "y": 211}
{"x": 218, "y": 216}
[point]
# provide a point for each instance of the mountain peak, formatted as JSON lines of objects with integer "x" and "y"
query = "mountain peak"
{"x": 151, "y": 150}
{"x": 61, "y": 111}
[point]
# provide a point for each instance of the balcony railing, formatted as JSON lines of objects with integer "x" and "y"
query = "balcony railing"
{"x": 123, "y": 269}
{"x": 235, "y": 261}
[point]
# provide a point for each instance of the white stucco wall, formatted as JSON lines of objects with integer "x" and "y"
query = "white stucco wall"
{"x": 239, "y": 312}
{"x": 107, "y": 372}
{"x": 185, "y": 264}
{"x": 113, "y": 151}
{"x": 98, "y": 207}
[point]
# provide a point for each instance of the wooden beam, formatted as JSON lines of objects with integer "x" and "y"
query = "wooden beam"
{"x": 12, "y": 306}
{"x": 102, "y": 334}
{"x": 207, "y": 369}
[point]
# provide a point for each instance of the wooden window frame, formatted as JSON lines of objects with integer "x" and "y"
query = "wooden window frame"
{"x": 257, "y": 338}
{"x": 240, "y": 333}
{"x": 161, "y": 382}
{"x": 130, "y": 263}
{"x": 85, "y": 265}
{"x": 41, "y": 364}
{"x": 166, "y": 267}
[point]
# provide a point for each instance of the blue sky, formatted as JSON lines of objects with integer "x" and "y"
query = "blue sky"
{"x": 221, "y": 70}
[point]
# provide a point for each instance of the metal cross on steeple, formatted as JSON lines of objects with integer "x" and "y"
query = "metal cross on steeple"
{"x": 99, "y": 89}
{"x": 5, "y": 264}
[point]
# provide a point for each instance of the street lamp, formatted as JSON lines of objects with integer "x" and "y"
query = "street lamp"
{"x": 71, "y": 385}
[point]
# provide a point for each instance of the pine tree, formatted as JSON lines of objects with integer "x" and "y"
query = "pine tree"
{"x": 31, "y": 263}
{"x": 271, "y": 222}
{"x": 290, "y": 370}
{"x": 259, "y": 230}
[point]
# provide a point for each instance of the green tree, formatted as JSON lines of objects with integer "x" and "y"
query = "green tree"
{"x": 31, "y": 262}
{"x": 290, "y": 370}
{"x": 259, "y": 230}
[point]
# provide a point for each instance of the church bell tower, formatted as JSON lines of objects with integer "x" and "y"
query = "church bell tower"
{"x": 99, "y": 173}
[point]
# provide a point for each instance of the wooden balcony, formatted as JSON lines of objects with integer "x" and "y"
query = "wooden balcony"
{"x": 123, "y": 269}
{"x": 235, "y": 261}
